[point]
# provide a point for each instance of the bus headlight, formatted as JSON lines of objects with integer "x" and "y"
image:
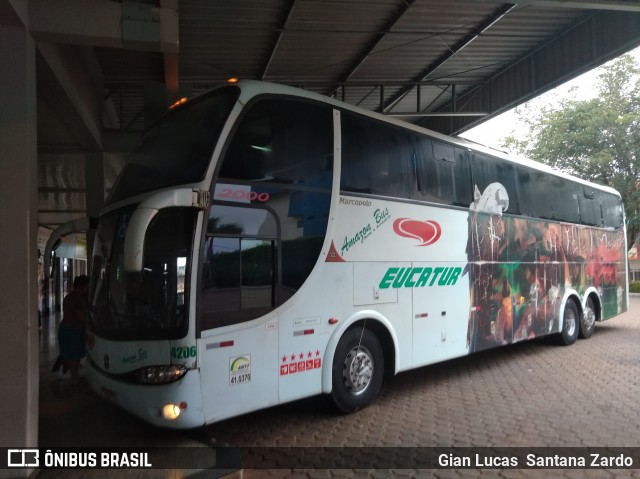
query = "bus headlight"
{"x": 172, "y": 411}
{"x": 160, "y": 374}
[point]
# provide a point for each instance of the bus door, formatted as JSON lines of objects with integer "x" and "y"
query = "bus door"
{"x": 440, "y": 311}
{"x": 238, "y": 327}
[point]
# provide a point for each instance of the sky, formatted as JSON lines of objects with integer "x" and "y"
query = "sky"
{"x": 492, "y": 132}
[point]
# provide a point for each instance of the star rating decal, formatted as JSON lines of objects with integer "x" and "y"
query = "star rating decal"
{"x": 296, "y": 363}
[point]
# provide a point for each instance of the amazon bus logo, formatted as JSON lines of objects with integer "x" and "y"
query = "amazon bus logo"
{"x": 426, "y": 232}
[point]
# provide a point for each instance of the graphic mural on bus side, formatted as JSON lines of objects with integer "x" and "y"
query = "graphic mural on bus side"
{"x": 519, "y": 269}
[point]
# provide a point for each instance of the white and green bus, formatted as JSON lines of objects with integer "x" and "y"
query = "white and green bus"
{"x": 264, "y": 244}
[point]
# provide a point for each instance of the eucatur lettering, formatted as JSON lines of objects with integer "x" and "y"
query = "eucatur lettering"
{"x": 420, "y": 277}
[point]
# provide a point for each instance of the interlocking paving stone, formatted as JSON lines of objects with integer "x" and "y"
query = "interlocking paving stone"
{"x": 534, "y": 394}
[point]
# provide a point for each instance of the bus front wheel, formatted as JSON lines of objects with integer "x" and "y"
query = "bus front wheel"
{"x": 570, "y": 324}
{"x": 357, "y": 371}
{"x": 588, "y": 321}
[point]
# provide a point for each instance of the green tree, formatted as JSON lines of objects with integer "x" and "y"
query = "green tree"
{"x": 597, "y": 139}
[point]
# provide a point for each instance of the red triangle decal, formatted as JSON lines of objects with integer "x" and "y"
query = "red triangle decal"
{"x": 333, "y": 256}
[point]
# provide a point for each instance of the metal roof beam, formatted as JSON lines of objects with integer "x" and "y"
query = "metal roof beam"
{"x": 391, "y": 83}
{"x": 283, "y": 23}
{"x": 373, "y": 43}
{"x": 484, "y": 26}
{"x": 46, "y": 189}
{"x": 438, "y": 114}
{"x": 607, "y": 33}
{"x": 619, "y": 5}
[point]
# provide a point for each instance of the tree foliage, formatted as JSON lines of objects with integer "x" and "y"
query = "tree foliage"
{"x": 597, "y": 139}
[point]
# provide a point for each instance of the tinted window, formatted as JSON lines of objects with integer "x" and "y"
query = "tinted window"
{"x": 590, "y": 210}
{"x": 547, "y": 196}
{"x": 442, "y": 173}
{"x": 488, "y": 170}
{"x": 177, "y": 149}
{"x": 612, "y": 210}
{"x": 241, "y": 220}
{"x": 271, "y": 207}
{"x": 282, "y": 141}
{"x": 386, "y": 160}
{"x": 377, "y": 158}
{"x": 238, "y": 280}
{"x": 150, "y": 304}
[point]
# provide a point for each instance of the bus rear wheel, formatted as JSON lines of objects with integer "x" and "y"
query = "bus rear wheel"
{"x": 588, "y": 320}
{"x": 570, "y": 324}
{"x": 358, "y": 369}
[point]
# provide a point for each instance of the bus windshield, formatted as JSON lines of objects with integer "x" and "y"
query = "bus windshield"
{"x": 177, "y": 149}
{"x": 150, "y": 304}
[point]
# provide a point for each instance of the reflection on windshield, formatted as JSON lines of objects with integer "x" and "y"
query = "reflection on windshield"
{"x": 152, "y": 303}
{"x": 178, "y": 149}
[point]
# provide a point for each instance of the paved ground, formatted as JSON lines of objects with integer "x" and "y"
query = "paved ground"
{"x": 529, "y": 395}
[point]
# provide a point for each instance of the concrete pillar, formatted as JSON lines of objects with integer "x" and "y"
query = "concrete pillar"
{"x": 19, "y": 353}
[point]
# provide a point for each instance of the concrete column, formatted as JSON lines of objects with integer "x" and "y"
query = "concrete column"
{"x": 19, "y": 371}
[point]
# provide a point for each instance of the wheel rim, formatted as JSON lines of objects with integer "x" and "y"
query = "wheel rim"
{"x": 357, "y": 370}
{"x": 589, "y": 317}
{"x": 570, "y": 320}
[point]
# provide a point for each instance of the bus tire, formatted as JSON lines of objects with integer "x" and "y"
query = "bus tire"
{"x": 588, "y": 320}
{"x": 357, "y": 370}
{"x": 570, "y": 324}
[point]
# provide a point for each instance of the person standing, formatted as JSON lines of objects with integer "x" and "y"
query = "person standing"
{"x": 71, "y": 332}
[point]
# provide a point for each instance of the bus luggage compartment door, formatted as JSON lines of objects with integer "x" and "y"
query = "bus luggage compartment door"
{"x": 440, "y": 311}
{"x": 239, "y": 368}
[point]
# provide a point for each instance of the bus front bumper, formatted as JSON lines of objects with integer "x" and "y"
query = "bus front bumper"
{"x": 149, "y": 401}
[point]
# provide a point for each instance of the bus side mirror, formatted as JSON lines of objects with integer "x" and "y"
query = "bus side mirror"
{"x": 144, "y": 214}
{"x": 134, "y": 239}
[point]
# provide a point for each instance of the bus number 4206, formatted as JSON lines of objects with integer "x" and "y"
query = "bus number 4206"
{"x": 183, "y": 352}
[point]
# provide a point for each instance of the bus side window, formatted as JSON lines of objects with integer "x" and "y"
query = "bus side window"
{"x": 442, "y": 173}
{"x": 377, "y": 158}
{"x": 444, "y": 159}
{"x": 612, "y": 211}
{"x": 238, "y": 272}
{"x": 268, "y": 220}
{"x": 426, "y": 171}
{"x": 563, "y": 197}
{"x": 282, "y": 141}
{"x": 548, "y": 197}
{"x": 590, "y": 211}
{"x": 531, "y": 195}
{"x": 486, "y": 171}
